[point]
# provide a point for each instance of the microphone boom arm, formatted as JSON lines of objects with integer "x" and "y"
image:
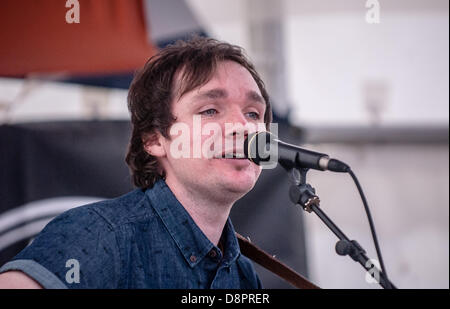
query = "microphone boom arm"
{"x": 304, "y": 195}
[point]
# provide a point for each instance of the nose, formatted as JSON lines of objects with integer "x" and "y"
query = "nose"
{"x": 237, "y": 124}
{"x": 238, "y": 116}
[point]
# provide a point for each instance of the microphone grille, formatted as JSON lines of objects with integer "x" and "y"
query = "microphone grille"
{"x": 255, "y": 146}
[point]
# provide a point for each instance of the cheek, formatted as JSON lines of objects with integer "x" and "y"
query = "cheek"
{"x": 258, "y": 170}
{"x": 253, "y": 171}
{"x": 208, "y": 144}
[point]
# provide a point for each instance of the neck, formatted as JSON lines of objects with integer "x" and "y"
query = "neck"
{"x": 208, "y": 213}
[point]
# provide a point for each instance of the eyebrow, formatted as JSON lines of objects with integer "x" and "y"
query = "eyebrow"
{"x": 212, "y": 94}
{"x": 219, "y": 93}
{"x": 255, "y": 97}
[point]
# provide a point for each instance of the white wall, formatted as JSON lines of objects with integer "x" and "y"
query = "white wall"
{"x": 333, "y": 55}
{"x": 407, "y": 190}
{"x": 34, "y": 100}
{"x": 225, "y": 20}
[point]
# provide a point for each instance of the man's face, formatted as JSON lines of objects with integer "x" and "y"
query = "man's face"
{"x": 230, "y": 98}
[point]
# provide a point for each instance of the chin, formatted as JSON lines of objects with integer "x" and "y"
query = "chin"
{"x": 239, "y": 184}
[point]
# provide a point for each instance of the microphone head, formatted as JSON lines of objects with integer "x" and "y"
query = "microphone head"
{"x": 258, "y": 146}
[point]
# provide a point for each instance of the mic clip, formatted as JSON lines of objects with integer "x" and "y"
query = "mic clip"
{"x": 305, "y": 196}
{"x": 302, "y": 193}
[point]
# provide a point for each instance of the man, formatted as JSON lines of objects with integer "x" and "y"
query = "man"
{"x": 173, "y": 231}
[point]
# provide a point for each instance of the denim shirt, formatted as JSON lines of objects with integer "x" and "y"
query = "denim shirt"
{"x": 144, "y": 239}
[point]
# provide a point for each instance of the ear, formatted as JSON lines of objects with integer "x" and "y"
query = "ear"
{"x": 153, "y": 144}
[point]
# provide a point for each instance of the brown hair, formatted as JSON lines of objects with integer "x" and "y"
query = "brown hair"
{"x": 151, "y": 93}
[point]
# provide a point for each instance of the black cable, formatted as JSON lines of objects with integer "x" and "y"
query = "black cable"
{"x": 372, "y": 226}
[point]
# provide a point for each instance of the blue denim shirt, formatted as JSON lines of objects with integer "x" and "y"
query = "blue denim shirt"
{"x": 144, "y": 239}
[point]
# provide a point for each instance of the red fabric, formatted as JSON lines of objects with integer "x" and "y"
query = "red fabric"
{"x": 35, "y": 37}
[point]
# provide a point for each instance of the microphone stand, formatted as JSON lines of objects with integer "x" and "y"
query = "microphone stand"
{"x": 304, "y": 195}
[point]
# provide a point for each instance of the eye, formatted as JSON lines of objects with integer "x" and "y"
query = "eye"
{"x": 209, "y": 112}
{"x": 254, "y": 115}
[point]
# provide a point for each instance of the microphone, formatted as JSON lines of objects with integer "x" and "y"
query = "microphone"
{"x": 264, "y": 148}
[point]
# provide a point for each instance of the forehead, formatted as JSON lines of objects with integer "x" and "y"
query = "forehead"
{"x": 229, "y": 76}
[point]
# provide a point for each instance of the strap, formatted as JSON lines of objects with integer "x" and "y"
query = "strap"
{"x": 270, "y": 263}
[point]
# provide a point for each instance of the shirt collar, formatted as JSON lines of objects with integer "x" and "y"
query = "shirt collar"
{"x": 192, "y": 242}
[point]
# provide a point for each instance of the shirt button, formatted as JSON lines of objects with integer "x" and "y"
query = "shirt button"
{"x": 193, "y": 258}
{"x": 213, "y": 253}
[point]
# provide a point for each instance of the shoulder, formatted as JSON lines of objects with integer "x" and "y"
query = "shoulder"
{"x": 87, "y": 235}
{"x": 110, "y": 213}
